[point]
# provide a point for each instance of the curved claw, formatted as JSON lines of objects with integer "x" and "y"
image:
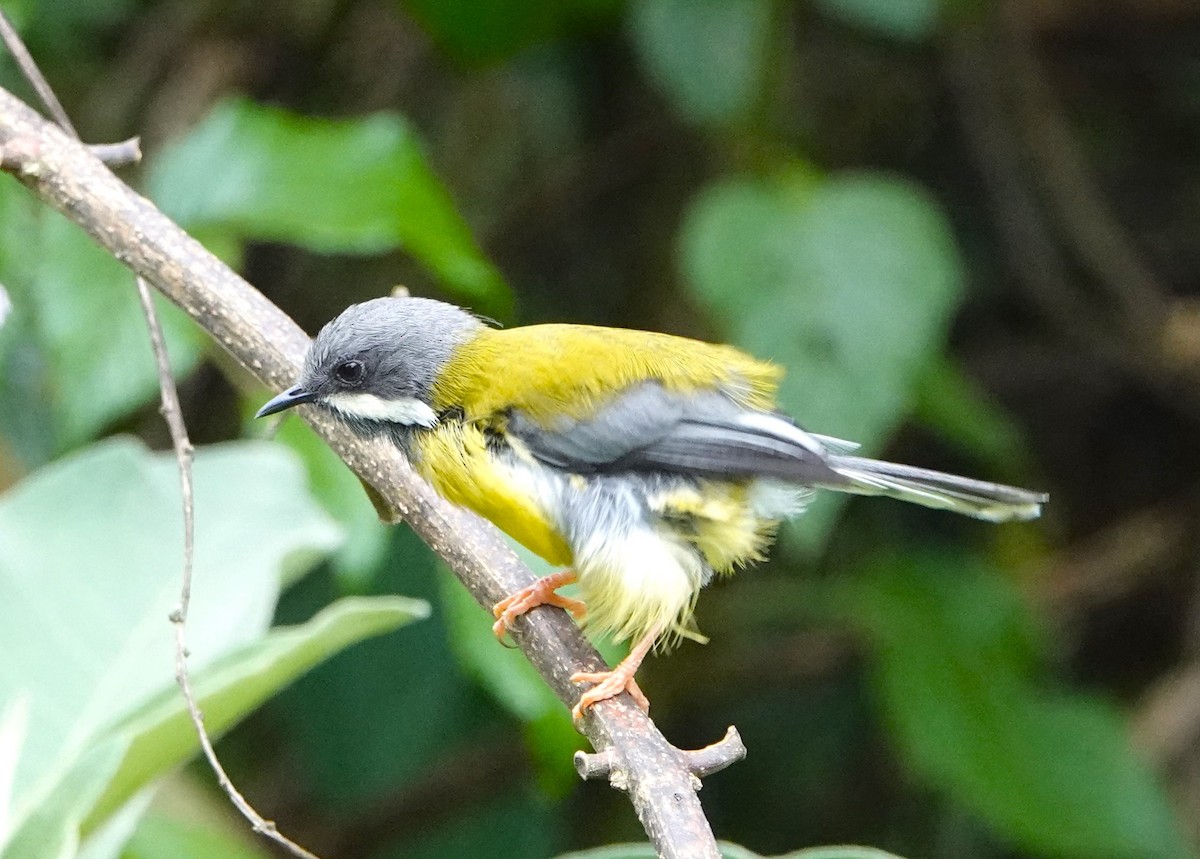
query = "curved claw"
{"x": 541, "y": 592}
{"x": 609, "y": 684}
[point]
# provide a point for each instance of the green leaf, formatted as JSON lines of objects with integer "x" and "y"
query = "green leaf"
{"x": 90, "y": 549}
{"x": 848, "y": 282}
{"x": 335, "y": 186}
{"x": 50, "y": 830}
{"x": 511, "y": 822}
{"x": 503, "y": 671}
{"x": 481, "y": 31}
{"x": 1053, "y": 772}
{"x": 505, "y": 674}
{"x": 344, "y": 498}
{"x": 953, "y": 405}
{"x": 162, "y": 837}
{"x": 391, "y": 677}
{"x": 16, "y": 11}
{"x": 709, "y": 56}
{"x": 161, "y": 730}
{"x": 108, "y": 841}
{"x": 905, "y": 20}
{"x": 733, "y": 851}
{"x": 98, "y": 373}
{"x": 67, "y": 377}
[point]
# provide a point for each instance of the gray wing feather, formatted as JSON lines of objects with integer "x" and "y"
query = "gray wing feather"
{"x": 649, "y": 428}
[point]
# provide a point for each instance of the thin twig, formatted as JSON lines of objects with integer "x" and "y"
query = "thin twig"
{"x": 268, "y": 344}
{"x": 127, "y": 152}
{"x": 700, "y": 763}
{"x": 31, "y": 73}
{"x": 173, "y": 415}
{"x": 119, "y": 154}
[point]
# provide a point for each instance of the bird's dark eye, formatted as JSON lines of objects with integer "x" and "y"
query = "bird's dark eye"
{"x": 349, "y": 372}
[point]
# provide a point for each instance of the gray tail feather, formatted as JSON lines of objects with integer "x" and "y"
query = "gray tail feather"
{"x": 991, "y": 501}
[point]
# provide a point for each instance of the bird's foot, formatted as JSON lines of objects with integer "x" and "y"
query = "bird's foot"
{"x": 610, "y": 684}
{"x": 541, "y": 592}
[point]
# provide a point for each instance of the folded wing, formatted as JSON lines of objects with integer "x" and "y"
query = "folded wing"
{"x": 648, "y": 428}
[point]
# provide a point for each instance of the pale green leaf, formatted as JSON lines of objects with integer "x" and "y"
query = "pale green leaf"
{"x": 64, "y": 377}
{"x": 161, "y": 730}
{"x": 709, "y": 56}
{"x": 162, "y": 837}
{"x": 50, "y": 829}
{"x": 90, "y": 558}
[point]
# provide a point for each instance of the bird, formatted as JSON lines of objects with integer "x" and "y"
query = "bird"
{"x": 642, "y": 464}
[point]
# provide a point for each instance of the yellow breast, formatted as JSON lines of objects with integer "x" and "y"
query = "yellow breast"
{"x": 455, "y": 460}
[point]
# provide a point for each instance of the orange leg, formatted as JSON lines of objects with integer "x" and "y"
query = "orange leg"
{"x": 610, "y": 684}
{"x": 539, "y": 593}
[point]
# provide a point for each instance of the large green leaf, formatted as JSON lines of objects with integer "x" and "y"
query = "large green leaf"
{"x": 421, "y": 708}
{"x": 347, "y": 186}
{"x": 342, "y": 495}
{"x": 709, "y": 56}
{"x": 1053, "y": 772}
{"x": 50, "y": 830}
{"x": 90, "y": 549}
{"x": 161, "y": 730}
{"x": 162, "y": 837}
{"x": 63, "y": 377}
{"x": 848, "y": 282}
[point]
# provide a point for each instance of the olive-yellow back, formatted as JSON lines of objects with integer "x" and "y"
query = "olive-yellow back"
{"x": 549, "y": 371}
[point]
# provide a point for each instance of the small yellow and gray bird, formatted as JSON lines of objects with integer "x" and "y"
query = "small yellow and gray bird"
{"x": 643, "y": 464}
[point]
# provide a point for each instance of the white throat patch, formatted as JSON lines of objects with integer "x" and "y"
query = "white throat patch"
{"x": 408, "y": 411}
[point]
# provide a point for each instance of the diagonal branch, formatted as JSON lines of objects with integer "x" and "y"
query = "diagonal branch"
{"x": 63, "y": 173}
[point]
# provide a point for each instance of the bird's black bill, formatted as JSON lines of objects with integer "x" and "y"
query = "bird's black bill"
{"x": 293, "y": 396}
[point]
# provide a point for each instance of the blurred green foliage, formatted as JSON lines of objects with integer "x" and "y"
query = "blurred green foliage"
{"x": 845, "y": 269}
{"x": 776, "y": 174}
{"x": 955, "y": 668}
{"x": 65, "y": 378}
{"x": 709, "y": 56}
{"x": 345, "y": 186}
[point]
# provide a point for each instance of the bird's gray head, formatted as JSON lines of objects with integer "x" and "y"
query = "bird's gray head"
{"x": 377, "y": 362}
